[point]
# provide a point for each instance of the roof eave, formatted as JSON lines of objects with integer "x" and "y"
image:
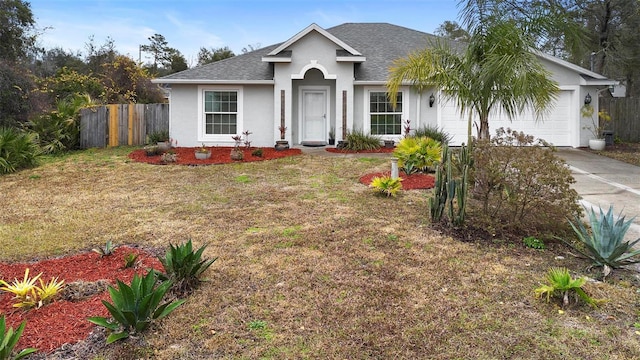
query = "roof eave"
{"x": 212, "y": 82}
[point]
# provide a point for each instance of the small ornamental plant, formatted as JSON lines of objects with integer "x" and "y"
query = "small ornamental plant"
{"x": 202, "y": 149}
{"x": 560, "y": 284}
{"x": 386, "y": 185}
{"x": 27, "y": 294}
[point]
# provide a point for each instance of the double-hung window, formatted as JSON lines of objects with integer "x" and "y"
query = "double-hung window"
{"x": 220, "y": 112}
{"x": 384, "y": 119}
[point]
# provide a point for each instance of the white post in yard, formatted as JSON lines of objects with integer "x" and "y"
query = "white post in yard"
{"x": 394, "y": 168}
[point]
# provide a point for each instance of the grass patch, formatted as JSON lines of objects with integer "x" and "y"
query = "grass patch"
{"x": 336, "y": 275}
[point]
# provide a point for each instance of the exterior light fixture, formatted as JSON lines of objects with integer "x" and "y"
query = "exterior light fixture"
{"x": 432, "y": 99}
{"x": 587, "y": 99}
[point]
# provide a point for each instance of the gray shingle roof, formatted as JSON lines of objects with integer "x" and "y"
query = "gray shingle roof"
{"x": 380, "y": 43}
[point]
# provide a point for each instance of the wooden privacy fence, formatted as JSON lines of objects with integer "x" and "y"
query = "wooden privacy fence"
{"x": 121, "y": 124}
{"x": 625, "y": 116}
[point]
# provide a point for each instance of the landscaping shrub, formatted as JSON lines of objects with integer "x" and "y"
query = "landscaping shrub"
{"x": 9, "y": 338}
{"x": 432, "y": 132}
{"x": 17, "y": 150}
{"x": 183, "y": 266}
{"x": 357, "y": 140}
{"x": 521, "y": 187}
{"x": 386, "y": 185}
{"x": 59, "y": 130}
{"x": 417, "y": 154}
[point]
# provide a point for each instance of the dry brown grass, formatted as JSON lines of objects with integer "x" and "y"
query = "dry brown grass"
{"x": 311, "y": 264}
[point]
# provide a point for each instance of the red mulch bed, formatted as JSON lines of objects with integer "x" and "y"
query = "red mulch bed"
{"x": 409, "y": 182}
{"x": 219, "y": 155}
{"x": 376, "y": 151}
{"x": 64, "y": 321}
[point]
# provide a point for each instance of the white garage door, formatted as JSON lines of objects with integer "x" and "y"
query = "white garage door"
{"x": 553, "y": 127}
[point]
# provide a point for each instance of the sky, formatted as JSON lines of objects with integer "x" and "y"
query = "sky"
{"x": 188, "y": 25}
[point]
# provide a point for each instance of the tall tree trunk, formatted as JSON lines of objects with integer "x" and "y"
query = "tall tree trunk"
{"x": 483, "y": 132}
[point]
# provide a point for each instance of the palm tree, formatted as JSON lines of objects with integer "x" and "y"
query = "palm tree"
{"x": 497, "y": 71}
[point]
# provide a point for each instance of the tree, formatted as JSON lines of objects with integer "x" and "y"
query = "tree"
{"x": 177, "y": 62}
{"x": 206, "y": 56}
{"x": 159, "y": 49}
{"x": 16, "y": 26}
{"x": 453, "y": 31}
{"x": 497, "y": 69}
{"x": 251, "y": 47}
{"x": 125, "y": 81}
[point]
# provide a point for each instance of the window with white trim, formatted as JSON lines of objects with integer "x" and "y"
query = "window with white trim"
{"x": 384, "y": 119}
{"x": 220, "y": 112}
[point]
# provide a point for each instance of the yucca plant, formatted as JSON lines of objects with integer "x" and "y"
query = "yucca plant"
{"x": 135, "y": 306}
{"x": 8, "y": 340}
{"x": 605, "y": 244}
{"x": 386, "y": 185}
{"x": 183, "y": 266}
{"x": 560, "y": 284}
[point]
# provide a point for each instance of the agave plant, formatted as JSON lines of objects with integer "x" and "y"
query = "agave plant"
{"x": 605, "y": 244}
{"x": 183, "y": 266}
{"x": 8, "y": 340}
{"x": 560, "y": 284}
{"x": 135, "y": 306}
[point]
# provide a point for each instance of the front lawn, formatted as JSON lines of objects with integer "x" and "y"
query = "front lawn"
{"x": 311, "y": 264}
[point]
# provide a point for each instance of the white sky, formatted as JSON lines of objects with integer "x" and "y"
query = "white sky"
{"x": 188, "y": 25}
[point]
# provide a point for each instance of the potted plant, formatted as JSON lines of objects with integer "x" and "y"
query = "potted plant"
{"x": 237, "y": 153}
{"x": 332, "y": 136}
{"x": 202, "y": 153}
{"x": 282, "y": 144}
{"x": 597, "y": 127}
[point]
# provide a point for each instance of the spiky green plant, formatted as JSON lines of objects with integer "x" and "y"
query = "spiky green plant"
{"x": 433, "y": 132}
{"x": 18, "y": 150}
{"x": 605, "y": 244}
{"x": 357, "y": 140}
{"x": 107, "y": 250}
{"x": 386, "y": 185}
{"x": 135, "y": 306}
{"x": 8, "y": 340}
{"x": 183, "y": 266}
{"x": 560, "y": 284}
{"x": 417, "y": 153}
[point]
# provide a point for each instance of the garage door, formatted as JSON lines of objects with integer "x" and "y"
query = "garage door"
{"x": 554, "y": 127}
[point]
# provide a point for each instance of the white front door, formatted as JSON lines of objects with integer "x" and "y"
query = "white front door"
{"x": 314, "y": 115}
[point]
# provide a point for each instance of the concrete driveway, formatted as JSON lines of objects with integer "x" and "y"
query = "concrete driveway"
{"x": 601, "y": 181}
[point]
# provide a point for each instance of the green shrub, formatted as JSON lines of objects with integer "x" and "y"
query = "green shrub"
{"x": 17, "y": 150}
{"x": 417, "y": 154}
{"x": 59, "y": 130}
{"x": 432, "y": 132}
{"x": 386, "y": 185}
{"x": 560, "y": 284}
{"x": 605, "y": 244}
{"x": 521, "y": 187}
{"x": 8, "y": 340}
{"x": 357, "y": 140}
{"x": 158, "y": 136}
{"x": 257, "y": 152}
{"x": 135, "y": 306}
{"x": 183, "y": 266}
